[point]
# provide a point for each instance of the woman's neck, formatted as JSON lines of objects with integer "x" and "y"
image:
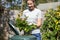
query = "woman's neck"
{"x": 31, "y": 9}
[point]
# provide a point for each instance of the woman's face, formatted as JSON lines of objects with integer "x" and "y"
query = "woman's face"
{"x": 30, "y": 4}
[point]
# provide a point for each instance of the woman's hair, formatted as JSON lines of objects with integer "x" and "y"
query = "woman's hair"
{"x": 33, "y": 2}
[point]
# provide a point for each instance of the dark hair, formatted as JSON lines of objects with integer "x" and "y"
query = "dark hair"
{"x": 32, "y": 0}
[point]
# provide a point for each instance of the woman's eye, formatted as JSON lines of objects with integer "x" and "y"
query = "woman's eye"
{"x": 30, "y": 4}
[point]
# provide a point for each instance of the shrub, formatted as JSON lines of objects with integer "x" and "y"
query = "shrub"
{"x": 51, "y": 26}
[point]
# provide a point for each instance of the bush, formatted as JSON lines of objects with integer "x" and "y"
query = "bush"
{"x": 51, "y": 26}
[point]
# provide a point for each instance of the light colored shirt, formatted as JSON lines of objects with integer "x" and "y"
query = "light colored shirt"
{"x": 32, "y": 17}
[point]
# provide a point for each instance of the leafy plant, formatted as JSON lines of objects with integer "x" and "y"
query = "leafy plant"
{"x": 51, "y": 26}
{"x": 23, "y": 25}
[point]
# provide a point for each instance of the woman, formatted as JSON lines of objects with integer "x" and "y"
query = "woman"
{"x": 33, "y": 17}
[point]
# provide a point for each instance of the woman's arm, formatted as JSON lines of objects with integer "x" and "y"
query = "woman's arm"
{"x": 39, "y": 22}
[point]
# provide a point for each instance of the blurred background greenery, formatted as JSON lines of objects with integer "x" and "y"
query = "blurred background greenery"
{"x": 51, "y": 26}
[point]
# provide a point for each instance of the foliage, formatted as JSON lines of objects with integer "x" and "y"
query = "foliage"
{"x": 9, "y": 0}
{"x": 1, "y": 9}
{"x": 51, "y": 26}
{"x": 23, "y": 25}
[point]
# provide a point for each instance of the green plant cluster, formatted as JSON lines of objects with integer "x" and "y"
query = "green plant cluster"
{"x": 51, "y": 26}
{"x": 23, "y": 25}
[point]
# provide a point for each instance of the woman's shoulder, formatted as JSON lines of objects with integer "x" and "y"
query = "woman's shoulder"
{"x": 38, "y": 10}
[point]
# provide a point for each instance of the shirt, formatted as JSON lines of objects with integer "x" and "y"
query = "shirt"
{"x": 32, "y": 17}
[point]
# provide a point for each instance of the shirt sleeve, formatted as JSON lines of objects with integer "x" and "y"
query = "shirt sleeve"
{"x": 40, "y": 14}
{"x": 23, "y": 15}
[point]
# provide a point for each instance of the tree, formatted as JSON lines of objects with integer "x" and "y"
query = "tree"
{"x": 3, "y": 24}
{"x": 1, "y": 28}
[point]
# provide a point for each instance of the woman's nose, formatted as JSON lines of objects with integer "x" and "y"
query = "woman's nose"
{"x": 29, "y": 5}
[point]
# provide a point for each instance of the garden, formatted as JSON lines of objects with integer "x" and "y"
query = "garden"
{"x": 51, "y": 26}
